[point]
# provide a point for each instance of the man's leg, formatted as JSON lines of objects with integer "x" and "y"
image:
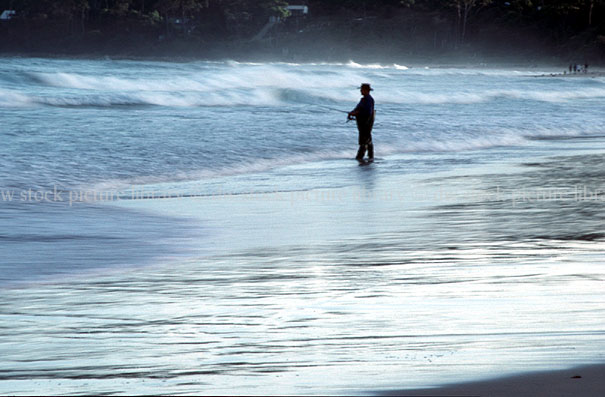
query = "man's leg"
{"x": 370, "y": 151}
{"x": 361, "y": 152}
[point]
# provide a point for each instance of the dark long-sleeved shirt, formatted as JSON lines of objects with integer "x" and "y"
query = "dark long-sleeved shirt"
{"x": 365, "y": 108}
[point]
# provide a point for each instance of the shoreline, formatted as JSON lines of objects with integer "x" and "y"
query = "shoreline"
{"x": 302, "y": 50}
{"x": 412, "y": 63}
{"x": 574, "y": 75}
{"x": 587, "y": 380}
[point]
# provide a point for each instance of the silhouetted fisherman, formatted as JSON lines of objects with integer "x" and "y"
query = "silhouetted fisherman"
{"x": 364, "y": 115}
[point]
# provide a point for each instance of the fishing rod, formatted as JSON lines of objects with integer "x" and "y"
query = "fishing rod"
{"x": 337, "y": 110}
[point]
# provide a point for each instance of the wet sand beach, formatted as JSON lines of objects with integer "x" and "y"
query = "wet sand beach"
{"x": 459, "y": 279}
{"x": 453, "y": 286}
{"x": 586, "y": 381}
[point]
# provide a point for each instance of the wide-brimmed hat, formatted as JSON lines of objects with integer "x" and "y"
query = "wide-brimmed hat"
{"x": 366, "y": 85}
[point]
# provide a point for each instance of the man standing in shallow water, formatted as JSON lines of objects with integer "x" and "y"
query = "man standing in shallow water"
{"x": 364, "y": 115}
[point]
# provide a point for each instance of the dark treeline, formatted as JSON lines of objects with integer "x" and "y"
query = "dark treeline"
{"x": 191, "y": 17}
{"x": 439, "y": 25}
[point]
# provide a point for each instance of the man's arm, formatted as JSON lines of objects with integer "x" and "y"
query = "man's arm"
{"x": 355, "y": 111}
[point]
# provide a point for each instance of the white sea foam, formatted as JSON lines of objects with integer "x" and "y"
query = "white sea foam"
{"x": 276, "y": 85}
{"x": 367, "y": 66}
{"x": 278, "y": 96}
{"x": 470, "y": 97}
{"x": 252, "y": 77}
{"x": 11, "y": 98}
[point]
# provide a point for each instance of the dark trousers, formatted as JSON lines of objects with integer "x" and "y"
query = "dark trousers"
{"x": 365, "y": 138}
{"x": 362, "y": 151}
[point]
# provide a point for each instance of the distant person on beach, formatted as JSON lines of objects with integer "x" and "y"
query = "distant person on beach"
{"x": 364, "y": 115}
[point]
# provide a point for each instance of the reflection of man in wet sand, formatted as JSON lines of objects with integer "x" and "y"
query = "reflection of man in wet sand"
{"x": 364, "y": 115}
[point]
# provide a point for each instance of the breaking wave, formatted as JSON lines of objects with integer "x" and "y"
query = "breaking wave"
{"x": 264, "y": 84}
{"x": 253, "y": 89}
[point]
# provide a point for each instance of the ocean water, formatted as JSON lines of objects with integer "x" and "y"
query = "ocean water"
{"x": 202, "y": 227}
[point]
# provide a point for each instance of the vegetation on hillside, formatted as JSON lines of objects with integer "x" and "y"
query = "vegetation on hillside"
{"x": 454, "y": 22}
